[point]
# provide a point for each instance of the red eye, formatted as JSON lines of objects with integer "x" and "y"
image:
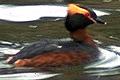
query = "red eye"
{"x": 86, "y": 14}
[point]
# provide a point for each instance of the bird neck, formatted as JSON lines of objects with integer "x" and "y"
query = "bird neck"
{"x": 81, "y": 35}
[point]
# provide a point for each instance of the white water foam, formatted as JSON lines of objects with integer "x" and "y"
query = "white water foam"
{"x": 115, "y": 48}
{"x": 108, "y": 59}
{"x": 35, "y": 12}
{"x": 27, "y": 76}
{"x": 9, "y": 51}
{"x": 30, "y": 13}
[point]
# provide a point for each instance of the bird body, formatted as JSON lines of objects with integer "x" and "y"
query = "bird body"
{"x": 81, "y": 49}
{"x": 48, "y": 52}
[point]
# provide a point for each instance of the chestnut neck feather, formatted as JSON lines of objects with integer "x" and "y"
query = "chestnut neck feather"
{"x": 81, "y": 35}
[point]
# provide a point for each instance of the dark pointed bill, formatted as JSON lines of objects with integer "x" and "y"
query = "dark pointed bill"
{"x": 97, "y": 20}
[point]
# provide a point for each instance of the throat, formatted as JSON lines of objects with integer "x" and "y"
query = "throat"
{"x": 81, "y": 35}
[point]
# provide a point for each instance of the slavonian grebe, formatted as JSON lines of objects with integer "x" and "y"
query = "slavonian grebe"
{"x": 49, "y": 52}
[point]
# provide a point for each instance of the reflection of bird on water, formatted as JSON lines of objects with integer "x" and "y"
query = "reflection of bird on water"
{"x": 79, "y": 50}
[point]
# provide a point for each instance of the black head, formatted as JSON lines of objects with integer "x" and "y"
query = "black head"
{"x": 80, "y": 17}
{"x": 77, "y": 21}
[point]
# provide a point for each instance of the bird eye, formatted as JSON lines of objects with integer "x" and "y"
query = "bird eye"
{"x": 86, "y": 15}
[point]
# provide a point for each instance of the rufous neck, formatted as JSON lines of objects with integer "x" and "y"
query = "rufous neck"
{"x": 82, "y": 36}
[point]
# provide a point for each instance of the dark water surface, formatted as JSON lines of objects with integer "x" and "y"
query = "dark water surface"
{"x": 21, "y": 34}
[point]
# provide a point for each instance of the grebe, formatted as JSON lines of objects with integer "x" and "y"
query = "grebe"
{"x": 81, "y": 49}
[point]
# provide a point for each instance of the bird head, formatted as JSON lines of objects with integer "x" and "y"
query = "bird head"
{"x": 86, "y": 12}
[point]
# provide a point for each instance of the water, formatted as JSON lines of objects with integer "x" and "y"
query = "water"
{"x": 34, "y": 12}
{"x": 107, "y": 68}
